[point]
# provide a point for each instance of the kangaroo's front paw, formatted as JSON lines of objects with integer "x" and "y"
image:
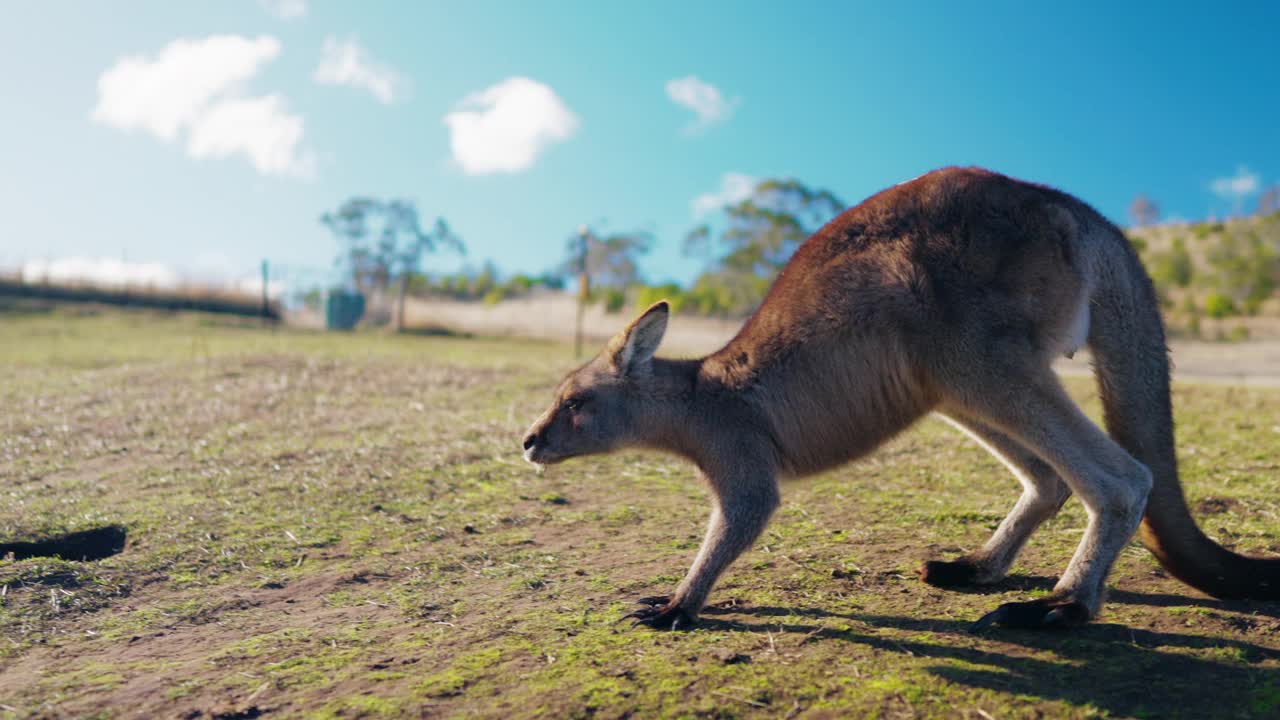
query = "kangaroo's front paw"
{"x": 1044, "y": 614}
{"x": 662, "y": 616}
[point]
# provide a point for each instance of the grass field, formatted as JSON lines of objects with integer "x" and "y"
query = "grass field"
{"x": 328, "y": 525}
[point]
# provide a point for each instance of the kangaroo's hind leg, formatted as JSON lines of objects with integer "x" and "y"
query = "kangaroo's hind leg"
{"x": 1029, "y": 405}
{"x": 1043, "y": 494}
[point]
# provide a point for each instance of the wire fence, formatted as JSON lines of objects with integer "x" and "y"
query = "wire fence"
{"x": 269, "y": 290}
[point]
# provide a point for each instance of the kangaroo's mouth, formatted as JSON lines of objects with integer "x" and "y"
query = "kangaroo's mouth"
{"x": 539, "y": 455}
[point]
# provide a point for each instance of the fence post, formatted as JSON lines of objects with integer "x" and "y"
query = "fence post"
{"x": 584, "y": 288}
{"x": 266, "y": 307}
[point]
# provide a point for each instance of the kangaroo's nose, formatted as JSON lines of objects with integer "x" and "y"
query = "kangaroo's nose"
{"x": 529, "y": 440}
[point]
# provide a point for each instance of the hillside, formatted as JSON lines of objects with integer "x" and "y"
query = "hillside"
{"x": 1217, "y": 280}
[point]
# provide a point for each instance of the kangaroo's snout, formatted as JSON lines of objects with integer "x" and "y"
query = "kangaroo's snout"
{"x": 535, "y": 443}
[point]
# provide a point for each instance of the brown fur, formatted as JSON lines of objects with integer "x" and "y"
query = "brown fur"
{"x": 953, "y": 292}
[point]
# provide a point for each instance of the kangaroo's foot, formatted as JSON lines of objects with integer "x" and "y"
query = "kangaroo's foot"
{"x": 653, "y": 600}
{"x": 660, "y": 614}
{"x": 1050, "y": 613}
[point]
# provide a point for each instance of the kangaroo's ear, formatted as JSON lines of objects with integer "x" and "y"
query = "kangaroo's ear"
{"x": 635, "y": 346}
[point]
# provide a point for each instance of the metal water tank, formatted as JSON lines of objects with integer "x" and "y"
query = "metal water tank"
{"x": 343, "y": 309}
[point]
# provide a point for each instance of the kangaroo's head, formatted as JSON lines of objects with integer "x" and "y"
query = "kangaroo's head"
{"x": 596, "y": 407}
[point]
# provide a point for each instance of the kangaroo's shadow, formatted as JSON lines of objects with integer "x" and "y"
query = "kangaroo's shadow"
{"x": 1116, "y": 669}
{"x": 82, "y": 545}
{"x": 1030, "y": 583}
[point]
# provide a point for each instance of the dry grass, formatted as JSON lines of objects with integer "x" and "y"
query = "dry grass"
{"x": 340, "y": 526}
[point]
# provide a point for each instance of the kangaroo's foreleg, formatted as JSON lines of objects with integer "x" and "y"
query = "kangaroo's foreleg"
{"x": 744, "y": 501}
{"x": 1043, "y": 494}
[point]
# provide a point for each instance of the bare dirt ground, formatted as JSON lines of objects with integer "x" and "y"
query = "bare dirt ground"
{"x": 339, "y": 525}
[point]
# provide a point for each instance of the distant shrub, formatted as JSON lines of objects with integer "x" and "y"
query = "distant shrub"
{"x": 1217, "y": 305}
{"x": 1239, "y": 333}
{"x": 1193, "y": 326}
{"x": 728, "y": 294}
{"x": 1174, "y": 267}
{"x": 647, "y": 295}
{"x": 614, "y": 299}
{"x": 1246, "y": 266}
{"x": 494, "y": 296}
{"x": 483, "y": 283}
{"x": 520, "y": 284}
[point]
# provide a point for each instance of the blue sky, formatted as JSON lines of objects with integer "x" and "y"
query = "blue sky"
{"x": 256, "y": 117}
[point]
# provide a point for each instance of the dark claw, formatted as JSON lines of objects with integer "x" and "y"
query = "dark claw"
{"x": 1046, "y": 614}
{"x": 653, "y": 600}
{"x": 666, "y": 617}
{"x": 987, "y": 620}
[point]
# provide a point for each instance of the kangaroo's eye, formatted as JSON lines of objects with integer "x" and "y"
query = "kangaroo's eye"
{"x": 573, "y": 404}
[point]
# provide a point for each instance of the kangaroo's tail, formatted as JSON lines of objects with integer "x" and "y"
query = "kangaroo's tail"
{"x": 1132, "y": 367}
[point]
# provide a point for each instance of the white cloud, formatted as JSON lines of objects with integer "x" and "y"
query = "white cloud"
{"x": 348, "y": 63}
{"x": 734, "y": 188}
{"x": 704, "y": 99}
{"x": 1237, "y": 187}
{"x": 163, "y": 94}
{"x": 259, "y": 128}
{"x": 504, "y": 128}
{"x": 197, "y": 85}
{"x": 285, "y": 9}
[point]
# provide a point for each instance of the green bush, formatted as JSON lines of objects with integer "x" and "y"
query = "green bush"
{"x": 614, "y": 299}
{"x": 1246, "y": 265}
{"x": 520, "y": 284}
{"x": 1217, "y": 305}
{"x": 494, "y": 296}
{"x": 647, "y": 295}
{"x": 728, "y": 293}
{"x": 1172, "y": 268}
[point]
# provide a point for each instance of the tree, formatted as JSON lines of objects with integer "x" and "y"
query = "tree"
{"x": 1143, "y": 211}
{"x": 1269, "y": 200}
{"x": 385, "y": 241}
{"x": 611, "y": 261}
{"x": 759, "y": 235}
{"x": 350, "y": 223}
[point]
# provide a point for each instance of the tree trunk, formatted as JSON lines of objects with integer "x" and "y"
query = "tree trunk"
{"x": 404, "y": 289}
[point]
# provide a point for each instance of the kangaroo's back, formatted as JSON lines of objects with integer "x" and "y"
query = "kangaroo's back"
{"x": 955, "y": 259}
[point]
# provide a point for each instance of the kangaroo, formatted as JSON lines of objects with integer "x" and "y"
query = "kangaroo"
{"x": 953, "y": 293}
